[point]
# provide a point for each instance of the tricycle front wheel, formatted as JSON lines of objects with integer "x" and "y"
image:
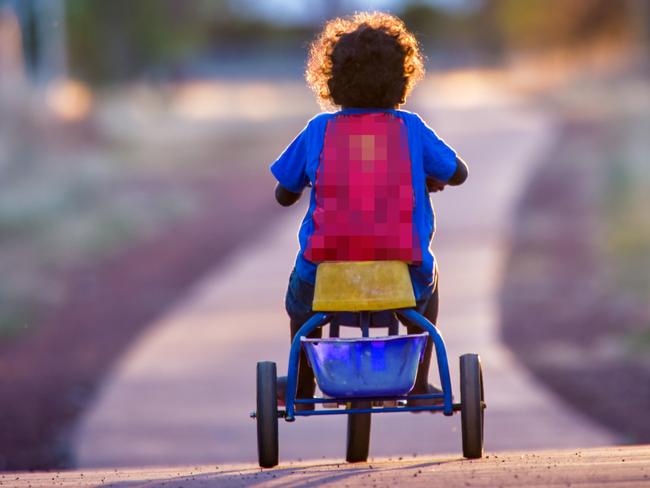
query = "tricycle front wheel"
{"x": 472, "y": 405}
{"x": 267, "y": 415}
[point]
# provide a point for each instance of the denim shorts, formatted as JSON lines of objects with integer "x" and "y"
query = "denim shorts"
{"x": 300, "y": 296}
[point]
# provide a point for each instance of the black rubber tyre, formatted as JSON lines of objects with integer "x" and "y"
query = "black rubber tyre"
{"x": 358, "y": 440}
{"x": 471, "y": 398}
{"x": 267, "y": 415}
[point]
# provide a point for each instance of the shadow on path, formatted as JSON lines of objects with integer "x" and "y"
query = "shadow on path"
{"x": 305, "y": 476}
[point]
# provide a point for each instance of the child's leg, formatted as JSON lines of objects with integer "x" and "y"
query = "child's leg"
{"x": 306, "y": 382}
{"x": 431, "y": 313}
{"x": 299, "y": 298}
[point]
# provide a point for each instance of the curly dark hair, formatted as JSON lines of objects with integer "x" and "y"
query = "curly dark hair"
{"x": 367, "y": 60}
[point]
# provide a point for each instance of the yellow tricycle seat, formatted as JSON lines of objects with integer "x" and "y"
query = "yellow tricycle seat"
{"x": 358, "y": 286}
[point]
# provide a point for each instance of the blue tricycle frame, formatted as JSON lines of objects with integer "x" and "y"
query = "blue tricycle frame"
{"x": 471, "y": 405}
{"x": 319, "y": 319}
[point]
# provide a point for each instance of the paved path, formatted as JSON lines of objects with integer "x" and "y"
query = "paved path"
{"x": 183, "y": 392}
{"x": 605, "y": 467}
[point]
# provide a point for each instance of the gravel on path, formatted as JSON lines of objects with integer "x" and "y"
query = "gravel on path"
{"x": 603, "y": 467}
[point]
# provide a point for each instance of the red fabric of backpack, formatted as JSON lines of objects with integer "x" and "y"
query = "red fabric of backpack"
{"x": 364, "y": 192}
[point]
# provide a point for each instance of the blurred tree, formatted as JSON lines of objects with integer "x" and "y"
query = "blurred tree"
{"x": 639, "y": 22}
{"x": 115, "y": 40}
{"x": 454, "y": 36}
{"x": 541, "y": 24}
{"x": 428, "y": 23}
{"x": 119, "y": 39}
{"x": 42, "y": 28}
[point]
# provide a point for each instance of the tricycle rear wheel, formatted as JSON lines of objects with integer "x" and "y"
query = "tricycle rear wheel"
{"x": 267, "y": 414}
{"x": 472, "y": 405}
{"x": 358, "y": 439}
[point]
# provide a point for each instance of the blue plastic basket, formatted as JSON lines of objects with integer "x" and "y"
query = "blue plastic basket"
{"x": 365, "y": 367}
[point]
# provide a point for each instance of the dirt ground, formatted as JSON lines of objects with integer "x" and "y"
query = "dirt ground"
{"x": 563, "y": 315}
{"x": 602, "y": 467}
{"x": 49, "y": 374}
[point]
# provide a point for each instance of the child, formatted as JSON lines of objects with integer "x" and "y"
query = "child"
{"x": 370, "y": 166}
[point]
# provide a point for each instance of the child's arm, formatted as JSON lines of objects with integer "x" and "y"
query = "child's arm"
{"x": 442, "y": 165}
{"x": 290, "y": 171}
{"x": 458, "y": 178}
{"x": 285, "y": 197}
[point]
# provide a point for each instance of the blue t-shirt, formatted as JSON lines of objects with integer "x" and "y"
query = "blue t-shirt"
{"x": 296, "y": 168}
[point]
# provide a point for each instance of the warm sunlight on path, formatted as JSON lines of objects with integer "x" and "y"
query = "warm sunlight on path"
{"x": 602, "y": 467}
{"x": 183, "y": 392}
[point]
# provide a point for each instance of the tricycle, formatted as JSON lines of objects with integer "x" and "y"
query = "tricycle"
{"x": 369, "y": 374}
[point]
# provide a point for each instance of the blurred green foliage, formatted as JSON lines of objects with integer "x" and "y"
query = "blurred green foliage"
{"x": 542, "y": 24}
{"x": 626, "y": 204}
{"x": 441, "y": 31}
{"x": 120, "y": 39}
{"x": 60, "y": 210}
{"x": 112, "y": 40}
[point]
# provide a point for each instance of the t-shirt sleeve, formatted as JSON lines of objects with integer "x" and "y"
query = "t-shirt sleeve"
{"x": 290, "y": 168}
{"x": 439, "y": 159}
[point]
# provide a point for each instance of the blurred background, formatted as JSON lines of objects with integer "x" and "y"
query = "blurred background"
{"x": 134, "y": 144}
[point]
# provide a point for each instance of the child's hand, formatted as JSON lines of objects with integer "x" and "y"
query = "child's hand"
{"x": 285, "y": 197}
{"x": 434, "y": 185}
